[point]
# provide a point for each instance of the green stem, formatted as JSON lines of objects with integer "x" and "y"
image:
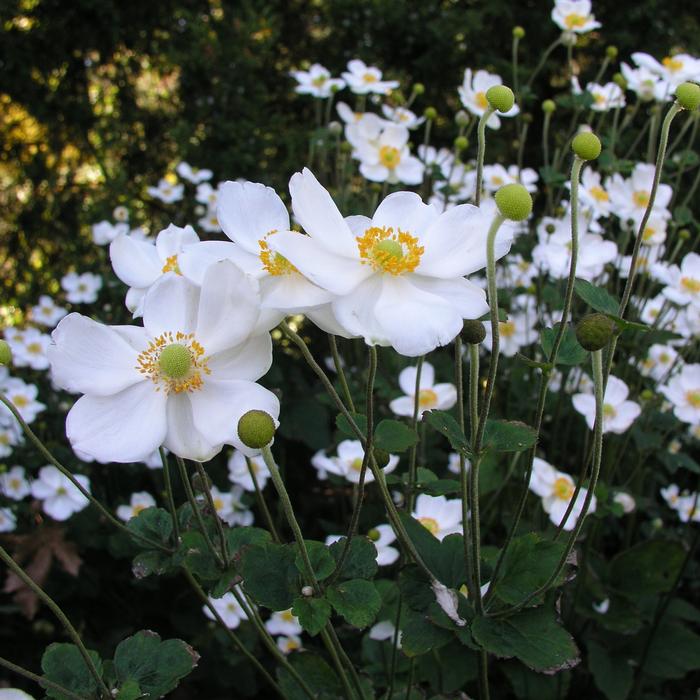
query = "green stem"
{"x": 481, "y": 150}
{"x": 204, "y": 478}
{"x": 261, "y": 500}
{"x": 542, "y": 61}
{"x": 169, "y": 494}
{"x": 412, "y": 470}
{"x": 45, "y": 598}
{"x": 67, "y": 473}
{"x": 338, "y": 363}
{"x": 43, "y": 682}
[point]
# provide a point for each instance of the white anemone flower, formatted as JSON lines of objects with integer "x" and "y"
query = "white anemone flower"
{"x": 137, "y": 502}
{"x": 683, "y": 391}
{"x": 673, "y": 69}
{"x": 556, "y": 489}
{"x": 648, "y": 85}
{"x": 618, "y": 412}
{"x": 192, "y": 174}
{"x": 81, "y": 289}
{"x": 61, "y": 497}
{"x": 104, "y": 232}
{"x": 388, "y": 157}
{"x": 683, "y": 283}
{"x": 183, "y": 380}
{"x": 439, "y": 515}
{"x": 625, "y": 501}
{"x": 283, "y": 622}
{"x": 363, "y": 79}
{"x": 228, "y": 609}
{"x": 14, "y": 484}
{"x": 347, "y": 462}
{"x": 403, "y": 116}
{"x": 14, "y": 694}
{"x": 139, "y": 264}
{"x": 497, "y": 175}
{"x": 430, "y": 395}
{"x": 317, "y": 81}
{"x": 10, "y": 436}
{"x": 574, "y": 16}
{"x": 658, "y": 361}
{"x": 289, "y": 643}
{"x": 23, "y": 396}
{"x": 514, "y": 333}
{"x": 606, "y": 97}
{"x": 47, "y": 312}
{"x": 629, "y": 197}
{"x": 399, "y": 276}
{"x": 383, "y": 537}
{"x": 167, "y": 192}
{"x": 238, "y": 472}
{"x": 31, "y": 351}
{"x": 8, "y": 522}
{"x": 473, "y": 90}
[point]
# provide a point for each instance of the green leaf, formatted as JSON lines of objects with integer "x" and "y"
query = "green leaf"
{"x": 321, "y": 559}
{"x": 679, "y": 460}
{"x": 129, "y": 691}
{"x": 611, "y": 671}
{"x": 674, "y": 651}
{"x": 444, "y": 423}
{"x": 528, "y": 564}
{"x": 394, "y": 436}
{"x": 151, "y": 562}
{"x": 196, "y": 556}
{"x": 317, "y": 674}
{"x": 441, "y": 487}
{"x": 596, "y": 297}
{"x": 570, "y": 352}
{"x": 313, "y": 613}
{"x": 508, "y": 436}
{"x": 270, "y": 575}
{"x": 647, "y": 568}
{"x": 419, "y": 635}
{"x": 533, "y": 636}
{"x": 356, "y": 600}
{"x": 343, "y": 425}
{"x": 154, "y": 523}
{"x": 156, "y": 666}
{"x": 361, "y": 559}
{"x": 64, "y": 664}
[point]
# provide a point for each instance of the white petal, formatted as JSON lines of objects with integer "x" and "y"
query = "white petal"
{"x": 249, "y": 361}
{"x": 195, "y": 261}
{"x": 292, "y": 291}
{"x": 172, "y": 240}
{"x": 466, "y": 298}
{"x": 183, "y": 438}
{"x": 355, "y": 311}
{"x": 405, "y": 211}
{"x": 125, "y": 427}
{"x": 407, "y": 378}
{"x": 171, "y": 305}
{"x": 136, "y": 263}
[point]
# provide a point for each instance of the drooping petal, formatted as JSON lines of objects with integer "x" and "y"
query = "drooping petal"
{"x": 249, "y": 360}
{"x": 355, "y": 311}
{"x": 124, "y": 427}
{"x": 325, "y": 319}
{"x": 89, "y": 358}
{"x": 291, "y": 291}
{"x": 135, "y": 262}
{"x": 467, "y": 299}
{"x": 183, "y": 437}
{"x": 171, "y": 306}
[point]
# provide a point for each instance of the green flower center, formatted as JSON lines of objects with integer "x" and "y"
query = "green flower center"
{"x": 175, "y": 361}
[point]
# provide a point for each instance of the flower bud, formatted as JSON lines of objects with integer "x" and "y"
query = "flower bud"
{"x": 619, "y": 80}
{"x": 462, "y": 118}
{"x": 373, "y": 534}
{"x": 514, "y": 202}
{"x": 307, "y": 591}
{"x": 346, "y": 147}
{"x": 336, "y": 128}
{"x": 594, "y": 331}
{"x": 473, "y": 332}
{"x": 256, "y": 429}
{"x": 5, "y": 353}
{"x": 688, "y": 96}
{"x": 418, "y": 89}
{"x": 611, "y": 52}
{"x": 501, "y": 98}
{"x": 518, "y": 32}
{"x": 548, "y": 106}
{"x": 382, "y": 457}
{"x": 647, "y": 395}
{"x": 684, "y": 234}
{"x": 430, "y": 113}
{"x": 461, "y": 143}
{"x": 586, "y": 145}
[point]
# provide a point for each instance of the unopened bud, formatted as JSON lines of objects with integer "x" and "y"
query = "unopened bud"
{"x": 5, "y": 353}
{"x": 594, "y": 331}
{"x": 473, "y": 332}
{"x": 256, "y": 429}
{"x": 514, "y": 202}
{"x": 688, "y": 96}
{"x": 518, "y": 32}
{"x": 548, "y": 106}
{"x": 307, "y": 591}
{"x": 586, "y": 145}
{"x": 611, "y": 52}
{"x": 501, "y": 98}
{"x": 461, "y": 143}
{"x": 418, "y": 89}
{"x": 430, "y": 113}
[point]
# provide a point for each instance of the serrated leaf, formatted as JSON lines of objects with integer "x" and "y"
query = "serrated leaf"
{"x": 394, "y": 436}
{"x": 419, "y": 635}
{"x": 313, "y": 613}
{"x": 154, "y": 523}
{"x": 570, "y": 351}
{"x": 533, "y": 636}
{"x": 317, "y": 674}
{"x": 157, "y": 666}
{"x": 64, "y": 664}
{"x": 444, "y": 423}
{"x": 343, "y": 425}
{"x": 270, "y": 575}
{"x": 508, "y": 436}
{"x": 320, "y": 557}
{"x": 648, "y": 568}
{"x": 356, "y": 600}
{"x": 360, "y": 560}
{"x": 596, "y": 297}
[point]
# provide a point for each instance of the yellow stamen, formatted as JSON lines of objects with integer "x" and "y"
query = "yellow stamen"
{"x": 171, "y": 265}
{"x": 274, "y": 263}
{"x": 390, "y": 252}
{"x": 563, "y": 488}
{"x": 356, "y": 464}
{"x": 389, "y": 157}
{"x": 427, "y": 398}
{"x": 430, "y": 524}
{"x": 574, "y": 20}
{"x": 287, "y": 616}
{"x": 690, "y": 284}
{"x": 507, "y": 329}
{"x": 672, "y": 64}
{"x": 20, "y": 401}
{"x": 693, "y": 398}
{"x": 34, "y": 348}
{"x": 609, "y": 411}
{"x": 641, "y": 198}
{"x": 481, "y": 101}
{"x": 369, "y": 78}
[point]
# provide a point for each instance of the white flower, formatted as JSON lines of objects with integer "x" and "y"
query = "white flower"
{"x": 383, "y": 631}
{"x": 473, "y": 90}
{"x": 46, "y": 312}
{"x": 14, "y": 484}
{"x": 283, "y": 622}
{"x": 688, "y": 509}
{"x": 206, "y": 194}
{"x": 453, "y": 463}
{"x": 438, "y": 515}
{"x": 659, "y": 361}
{"x": 647, "y": 84}
{"x": 14, "y": 694}
{"x": 81, "y": 289}
{"x": 430, "y": 395}
{"x": 29, "y": 349}
{"x": 317, "y": 82}
{"x": 671, "y": 494}
{"x": 629, "y": 197}
{"x": 626, "y": 501}
{"x": 606, "y": 97}
{"x": 515, "y": 333}
{"x": 618, "y": 412}
{"x": 8, "y": 522}
{"x": 238, "y": 472}
{"x": 363, "y": 79}
{"x": 229, "y": 508}
{"x": 592, "y": 194}
{"x": 495, "y": 176}
{"x": 137, "y": 502}
{"x": 387, "y": 158}
{"x": 383, "y": 537}
{"x": 228, "y": 609}
{"x": 289, "y": 643}
{"x": 139, "y": 264}
{"x": 183, "y": 380}
{"x": 683, "y": 391}
{"x": 398, "y": 277}
{"x": 556, "y": 489}
{"x": 166, "y": 192}
{"x": 120, "y": 214}
{"x": 348, "y": 462}
{"x": 9, "y": 436}
{"x": 191, "y": 174}
{"x": 23, "y": 396}
{"x": 672, "y": 69}
{"x": 574, "y": 16}
{"x": 104, "y": 232}
{"x": 683, "y": 283}
{"x": 602, "y": 607}
{"x": 61, "y": 497}
{"x": 401, "y": 115}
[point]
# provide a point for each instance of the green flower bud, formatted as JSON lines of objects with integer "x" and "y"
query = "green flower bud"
{"x": 473, "y": 332}
{"x": 514, "y": 202}
{"x": 430, "y": 113}
{"x": 518, "y": 32}
{"x": 594, "y": 331}
{"x": 373, "y": 535}
{"x": 461, "y": 143}
{"x": 382, "y": 457}
{"x": 345, "y": 147}
{"x": 647, "y": 395}
{"x": 611, "y": 52}
{"x": 619, "y": 79}
{"x": 684, "y": 234}
{"x": 586, "y": 145}
{"x": 5, "y": 353}
{"x": 418, "y": 89}
{"x": 688, "y": 96}
{"x": 336, "y": 128}
{"x": 307, "y": 591}
{"x": 462, "y": 118}
{"x": 500, "y": 98}
{"x": 256, "y": 429}
{"x": 527, "y": 117}
{"x": 548, "y": 106}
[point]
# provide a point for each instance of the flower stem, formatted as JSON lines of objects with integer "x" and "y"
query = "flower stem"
{"x": 338, "y": 363}
{"x": 204, "y": 478}
{"x": 56, "y": 610}
{"x": 67, "y": 473}
{"x": 261, "y": 501}
{"x": 481, "y": 150}
{"x": 169, "y": 494}
{"x": 412, "y": 458}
